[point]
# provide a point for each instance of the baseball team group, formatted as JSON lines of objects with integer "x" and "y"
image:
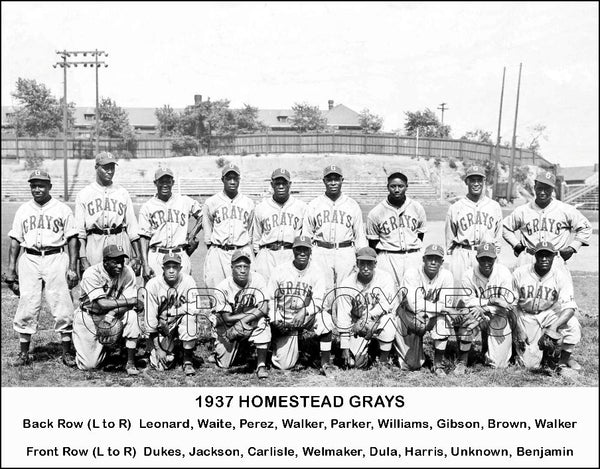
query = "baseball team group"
{"x": 281, "y": 271}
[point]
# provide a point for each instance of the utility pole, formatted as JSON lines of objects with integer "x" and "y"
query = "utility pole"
{"x": 97, "y": 64}
{"x": 513, "y": 150}
{"x": 64, "y": 65}
{"x": 497, "y": 168}
{"x": 443, "y": 108}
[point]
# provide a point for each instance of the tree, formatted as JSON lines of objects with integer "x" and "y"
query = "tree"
{"x": 478, "y": 135}
{"x": 537, "y": 132}
{"x": 168, "y": 120}
{"x": 247, "y": 121}
{"x": 39, "y": 112}
{"x": 370, "y": 123}
{"x": 427, "y": 123}
{"x": 307, "y": 117}
{"x": 114, "y": 121}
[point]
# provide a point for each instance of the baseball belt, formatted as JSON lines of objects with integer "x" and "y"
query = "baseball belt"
{"x": 106, "y": 231}
{"x": 327, "y": 245}
{"x": 408, "y": 251}
{"x": 228, "y": 247}
{"x": 44, "y": 252}
{"x": 465, "y": 246}
{"x": 277, "y": 245}
{"x": 179, "y": 248}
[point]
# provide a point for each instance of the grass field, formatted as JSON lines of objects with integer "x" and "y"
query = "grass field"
{"x": 48, "y": 371}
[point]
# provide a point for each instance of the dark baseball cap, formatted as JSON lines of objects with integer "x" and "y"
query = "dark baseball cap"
{"x": 544, "y": 246}
{"x": 434, "y": 250}
{"x": 546, "y": 177}
{"x": 366, "y": 254}
{"x": 332, "y": 169}
{"x": 300, "y": 241}
{"x": 112, "y": 251}
{"x": 105, "y": 157}
{"x": 230, "y": 168}
{"x": 398, "y": 174}
{"x": 160, "y": 172}
{"x": 171, "y": 257}
{"x": 240, "y": 254}
{"x": 39, "y": 175}
{"x": 475, "y": 170}
{"x": 486, "y": 250}
{"x": 281, "y": 173}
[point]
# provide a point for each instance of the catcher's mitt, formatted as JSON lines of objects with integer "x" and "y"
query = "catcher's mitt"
{"x": 367, "y": 326}
{"x": 109, "y": 331}
{"x": 12, "y": 283}
{"x": 550, "y": 343}
{"x": 238, "y": 331}
{"x": 359, "y": 307}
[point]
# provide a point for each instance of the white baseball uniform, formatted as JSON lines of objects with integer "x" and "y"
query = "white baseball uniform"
{"x": 479, "y": 289}
{"x": 174, "y": 309}
{"x": 275, "y": 227}
{"x": 540, "y": 301}
{"x": 559, "y": 223}
{"x": 381, "y": 299}
{"x": 96, "y": 284}
{"x": 39, "y": 228}
{"x": 468, "y": 224}
{"x": 288, "y": 290}
{"x": 428, "y": 298}
{"x": 396, "y": 229}
{"x": 105, "y": 208}
{"x": 227, "y": 225}
{"x": 167, "y": 225}
{"x": 232, "y": 299}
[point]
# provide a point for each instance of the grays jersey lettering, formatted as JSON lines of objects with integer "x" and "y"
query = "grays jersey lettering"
{"x": 333, "y": 216}
{"x": 232, "y": 213}
{"x": 538, "y": 292}
{"x": 159, "y": 217}
{"x": 478, "y": 218}
{"x": 106, "y": 204}
{"x": 280, "y": 219}
{"x": 42, "y": 222}
{"x": 395, "y": 222}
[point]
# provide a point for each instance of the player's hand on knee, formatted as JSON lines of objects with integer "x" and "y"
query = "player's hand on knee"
{"x": 147, "y": 273}
{"x": 72, "y": 278}
{"x": 84, "y": 264}
{"x": 136, "y": 265}
{"x": 567, "y": 252}
{"x": 518, "y": 249}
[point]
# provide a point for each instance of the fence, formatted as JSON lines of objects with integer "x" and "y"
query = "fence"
{"x": 385, "y": 144}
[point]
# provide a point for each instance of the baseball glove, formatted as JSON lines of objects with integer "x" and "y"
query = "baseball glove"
{"x": 367, "y": 326}
{"x": 12, "y": 283}
{"x": 359, "y": 307}
{"x": 550, "y": 343}
{"x": 281, "y": 327}
{"x": 238, "y": 331}
{"x": 109, "y": 331}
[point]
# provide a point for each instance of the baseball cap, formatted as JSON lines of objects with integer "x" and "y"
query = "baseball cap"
{"x": 486, "y": 250}
{"x": 398, "y": 174}
{"x": 40, "y": 175}
{"x": 105, "y": 157}
{"x": 434, "y": 250}
{"x": 230, "y": 168}
{"x": 160, "y": 172}
{"x": 544, "y": 246}
{"x": 112, "y": 250}
{"x": 302, "y": 241}
{"x": 281, "y": 173}
{"x": 171, "y": 257}
{"x": 475, "y": 170}
{"x": 366, "y": 254}
{"x": 239, "y": 254}
{"x": 332, "y": 169}
{"x": 545, "y": 177}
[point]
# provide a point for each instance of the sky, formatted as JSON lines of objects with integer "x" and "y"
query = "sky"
{"x": 389, "y": 57}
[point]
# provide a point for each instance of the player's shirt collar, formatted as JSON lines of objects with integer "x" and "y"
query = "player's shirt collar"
{"x": 484, "y": 198}
{"x": 341, "y": 199}
{"x": 537, "y": 208}
{"x": 46, "y": 205}
{"x": 274, "y": 204}
{"x": 404, "y": 206}
{"x": 226, "y": 198}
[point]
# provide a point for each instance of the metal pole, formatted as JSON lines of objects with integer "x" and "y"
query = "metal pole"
{"x": 97, "y": 111}
{"x": 65, "y": 123}
{"x": 514, "y": 140}
{"x": 497, "y": 168}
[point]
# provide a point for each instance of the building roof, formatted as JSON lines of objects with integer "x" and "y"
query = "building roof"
{"x": 577, "y": 173}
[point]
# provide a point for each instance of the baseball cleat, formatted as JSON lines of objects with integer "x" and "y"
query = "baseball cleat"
{"x": 22, "y": 359}
{"x": 460, "y": 369}
{"x": 438, "y": 371}
{"x": 325, "y": 369}
{"x": 262, "y": 372}
{"x": 131, "y": 369}
{"x": 189, "y": 369}
{"x": 566, "y": 372}
{"x": 68, "y": 360}
{"x": 573, "y": 364}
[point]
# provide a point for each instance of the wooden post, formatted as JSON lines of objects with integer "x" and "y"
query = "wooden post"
{"x": 428, "y": 148}
{"x": 268, "y": 143}
{"x": 460, "y": 149}
{"x": 365, "y": 144}
{"x": 397, "y": 145}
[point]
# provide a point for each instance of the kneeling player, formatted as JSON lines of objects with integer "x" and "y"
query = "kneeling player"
{"x": 366, "y": 309}
{"x": 546, "y": 310}
{"x": 241, "y": 313}
{"x": 172, "y": 315}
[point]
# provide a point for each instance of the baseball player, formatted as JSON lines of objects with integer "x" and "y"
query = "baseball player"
{"x": 367, "y": 291}
{"x": 296, "y": 294}
{"x": 395, "y": 229}
{"x": 334, "y": 223}
{"x": 171, "y": 314}
{"x": 546, "y": 219}
{"x": 241, "y": 297}
{"x": 277, "y": 222}
{"x": 104, "y": 215}
{"x": 489, "y": 297}
{"x": 108, "y": 292}
{"x": 429, "y": 292}
{"x": 164, "y": 222}
{"x": 227, "y": 223}
{"x": 41, "y": 230}
{"x": 545, "y": 303}
{"x": 470, "y": 221}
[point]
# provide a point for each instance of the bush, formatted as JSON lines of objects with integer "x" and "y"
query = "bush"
{"x": 221, "y": 162}
{"x": 452, "y": 163}
{"x": 184, "y": 146}
{"x": 244, "y": 153}
{"x": 32, "y": 160}
{"x": 437, "y": 161}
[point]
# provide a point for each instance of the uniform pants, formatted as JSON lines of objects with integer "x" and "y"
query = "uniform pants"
{"x": 266, "y": 260}
{"x": 397, "y": 264}
{"x": 460, "y": 261}
{"x": 359, "y": 346}
{"x": 226, "y": 351}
